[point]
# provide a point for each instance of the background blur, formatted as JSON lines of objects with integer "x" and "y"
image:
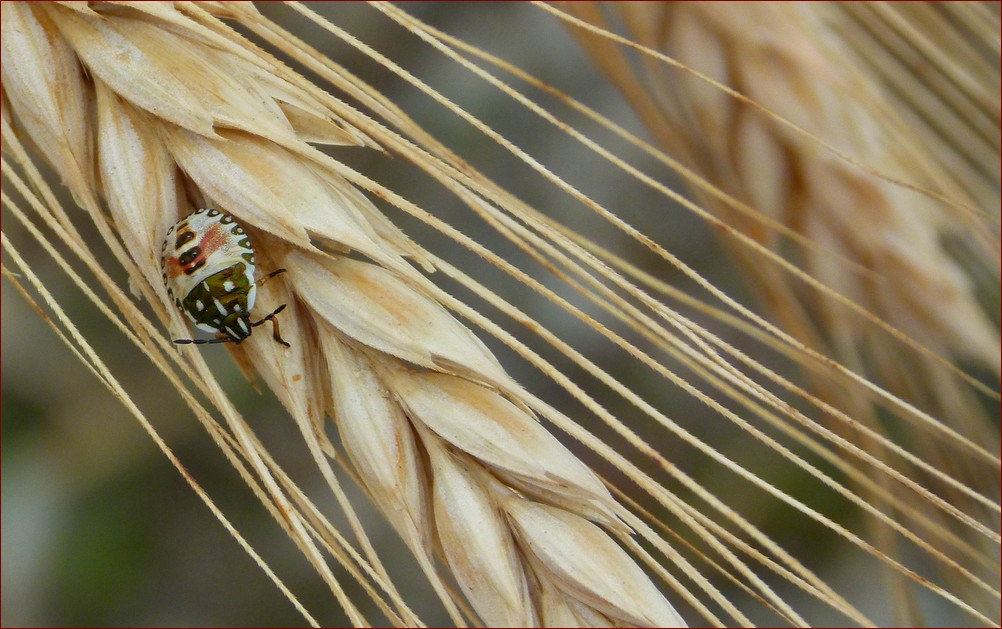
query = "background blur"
{"x": 99, "y": 529}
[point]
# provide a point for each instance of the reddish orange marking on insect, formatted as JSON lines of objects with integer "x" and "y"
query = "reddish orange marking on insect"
{"x": 174, "y": 268}
{"x": 213, "y": 240}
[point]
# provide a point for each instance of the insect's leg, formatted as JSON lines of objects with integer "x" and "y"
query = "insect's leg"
{"x": 275, "y": 330}
{"x": 221, "y": 339}
{"x": 269, "y": 276}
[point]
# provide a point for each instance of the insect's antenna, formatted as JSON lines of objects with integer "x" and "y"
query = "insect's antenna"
{"x": 270, "y": 317}
{"x": 275, "y": 331}
{"x": 202, "y": 341}
{"x": 268, "y": 277}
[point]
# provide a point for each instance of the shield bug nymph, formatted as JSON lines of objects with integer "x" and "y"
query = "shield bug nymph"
{"x": 207, "y": 263}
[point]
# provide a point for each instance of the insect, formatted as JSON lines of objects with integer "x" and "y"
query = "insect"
{"x": 208, "y": 268}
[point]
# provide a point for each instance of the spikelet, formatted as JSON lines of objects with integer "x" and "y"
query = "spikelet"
{"x": 141, "y": 106}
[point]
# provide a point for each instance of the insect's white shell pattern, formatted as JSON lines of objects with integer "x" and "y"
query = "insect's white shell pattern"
{"x": 221, "y": 243}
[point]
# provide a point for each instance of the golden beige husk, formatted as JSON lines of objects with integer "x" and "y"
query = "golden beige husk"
{"x": 435, "y": 428}
{"x": 147, "y": 111}
{"x": 829, "y": 125}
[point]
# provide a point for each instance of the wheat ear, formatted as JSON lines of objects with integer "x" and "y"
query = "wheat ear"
{"x": 157, "y": 111}
{"x": 788, "y": 65}
{"x": 780, "y": 151}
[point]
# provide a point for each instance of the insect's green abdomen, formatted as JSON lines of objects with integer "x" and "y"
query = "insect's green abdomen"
{"x": 213, "y": 301}
{"x": 207, "y": 263}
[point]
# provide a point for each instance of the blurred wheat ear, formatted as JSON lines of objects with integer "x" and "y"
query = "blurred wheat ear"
{"x": 148, "y": 111}
{"x": 841, "y": 105}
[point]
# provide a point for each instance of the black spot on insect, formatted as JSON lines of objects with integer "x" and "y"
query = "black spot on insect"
{"x": 245, "y": 243}
{"x": 214, "y": 212}
{"x": 248, "y": 257}
{"x": 163, "y": 262}
{"x": 163, "y": 247}
{"x": 237, "y": 230}
{"x": 199, "y": 210}
{"x": 184, "y": 238}
{"x": 226, "y": 220}
{"x": 177, "y": 302}
{"x": 195, "y": 267}
{"x": 165, "y": 280}
{"x": 189, "y": 256}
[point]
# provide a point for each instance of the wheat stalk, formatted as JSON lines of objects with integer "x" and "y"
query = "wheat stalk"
{"x": 439, "y": 435}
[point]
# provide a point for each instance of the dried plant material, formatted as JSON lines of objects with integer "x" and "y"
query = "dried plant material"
{"x": 559, "y": 610}
{"x": 187, "y": 116}
{"x": 764, "y": 102}
{"x": 375, "y": 431}
{"x": 505, "y": 522}
{"x": 139, "y": 178}
{"x": 585, "y": 563}
{"x": 293, "y": 372}
{"x": 49, "y": 93}
{"x": 313, "y": 127}
{"x": 465, "y": 414}
{"x": 768, "y": 53}
{"x": 378, "y": 309}
{"x": 278, "y": 192}
{"x": 141, "y": 75}
{"x": 488, "y": 427}
{"x": 477, "y": 541}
